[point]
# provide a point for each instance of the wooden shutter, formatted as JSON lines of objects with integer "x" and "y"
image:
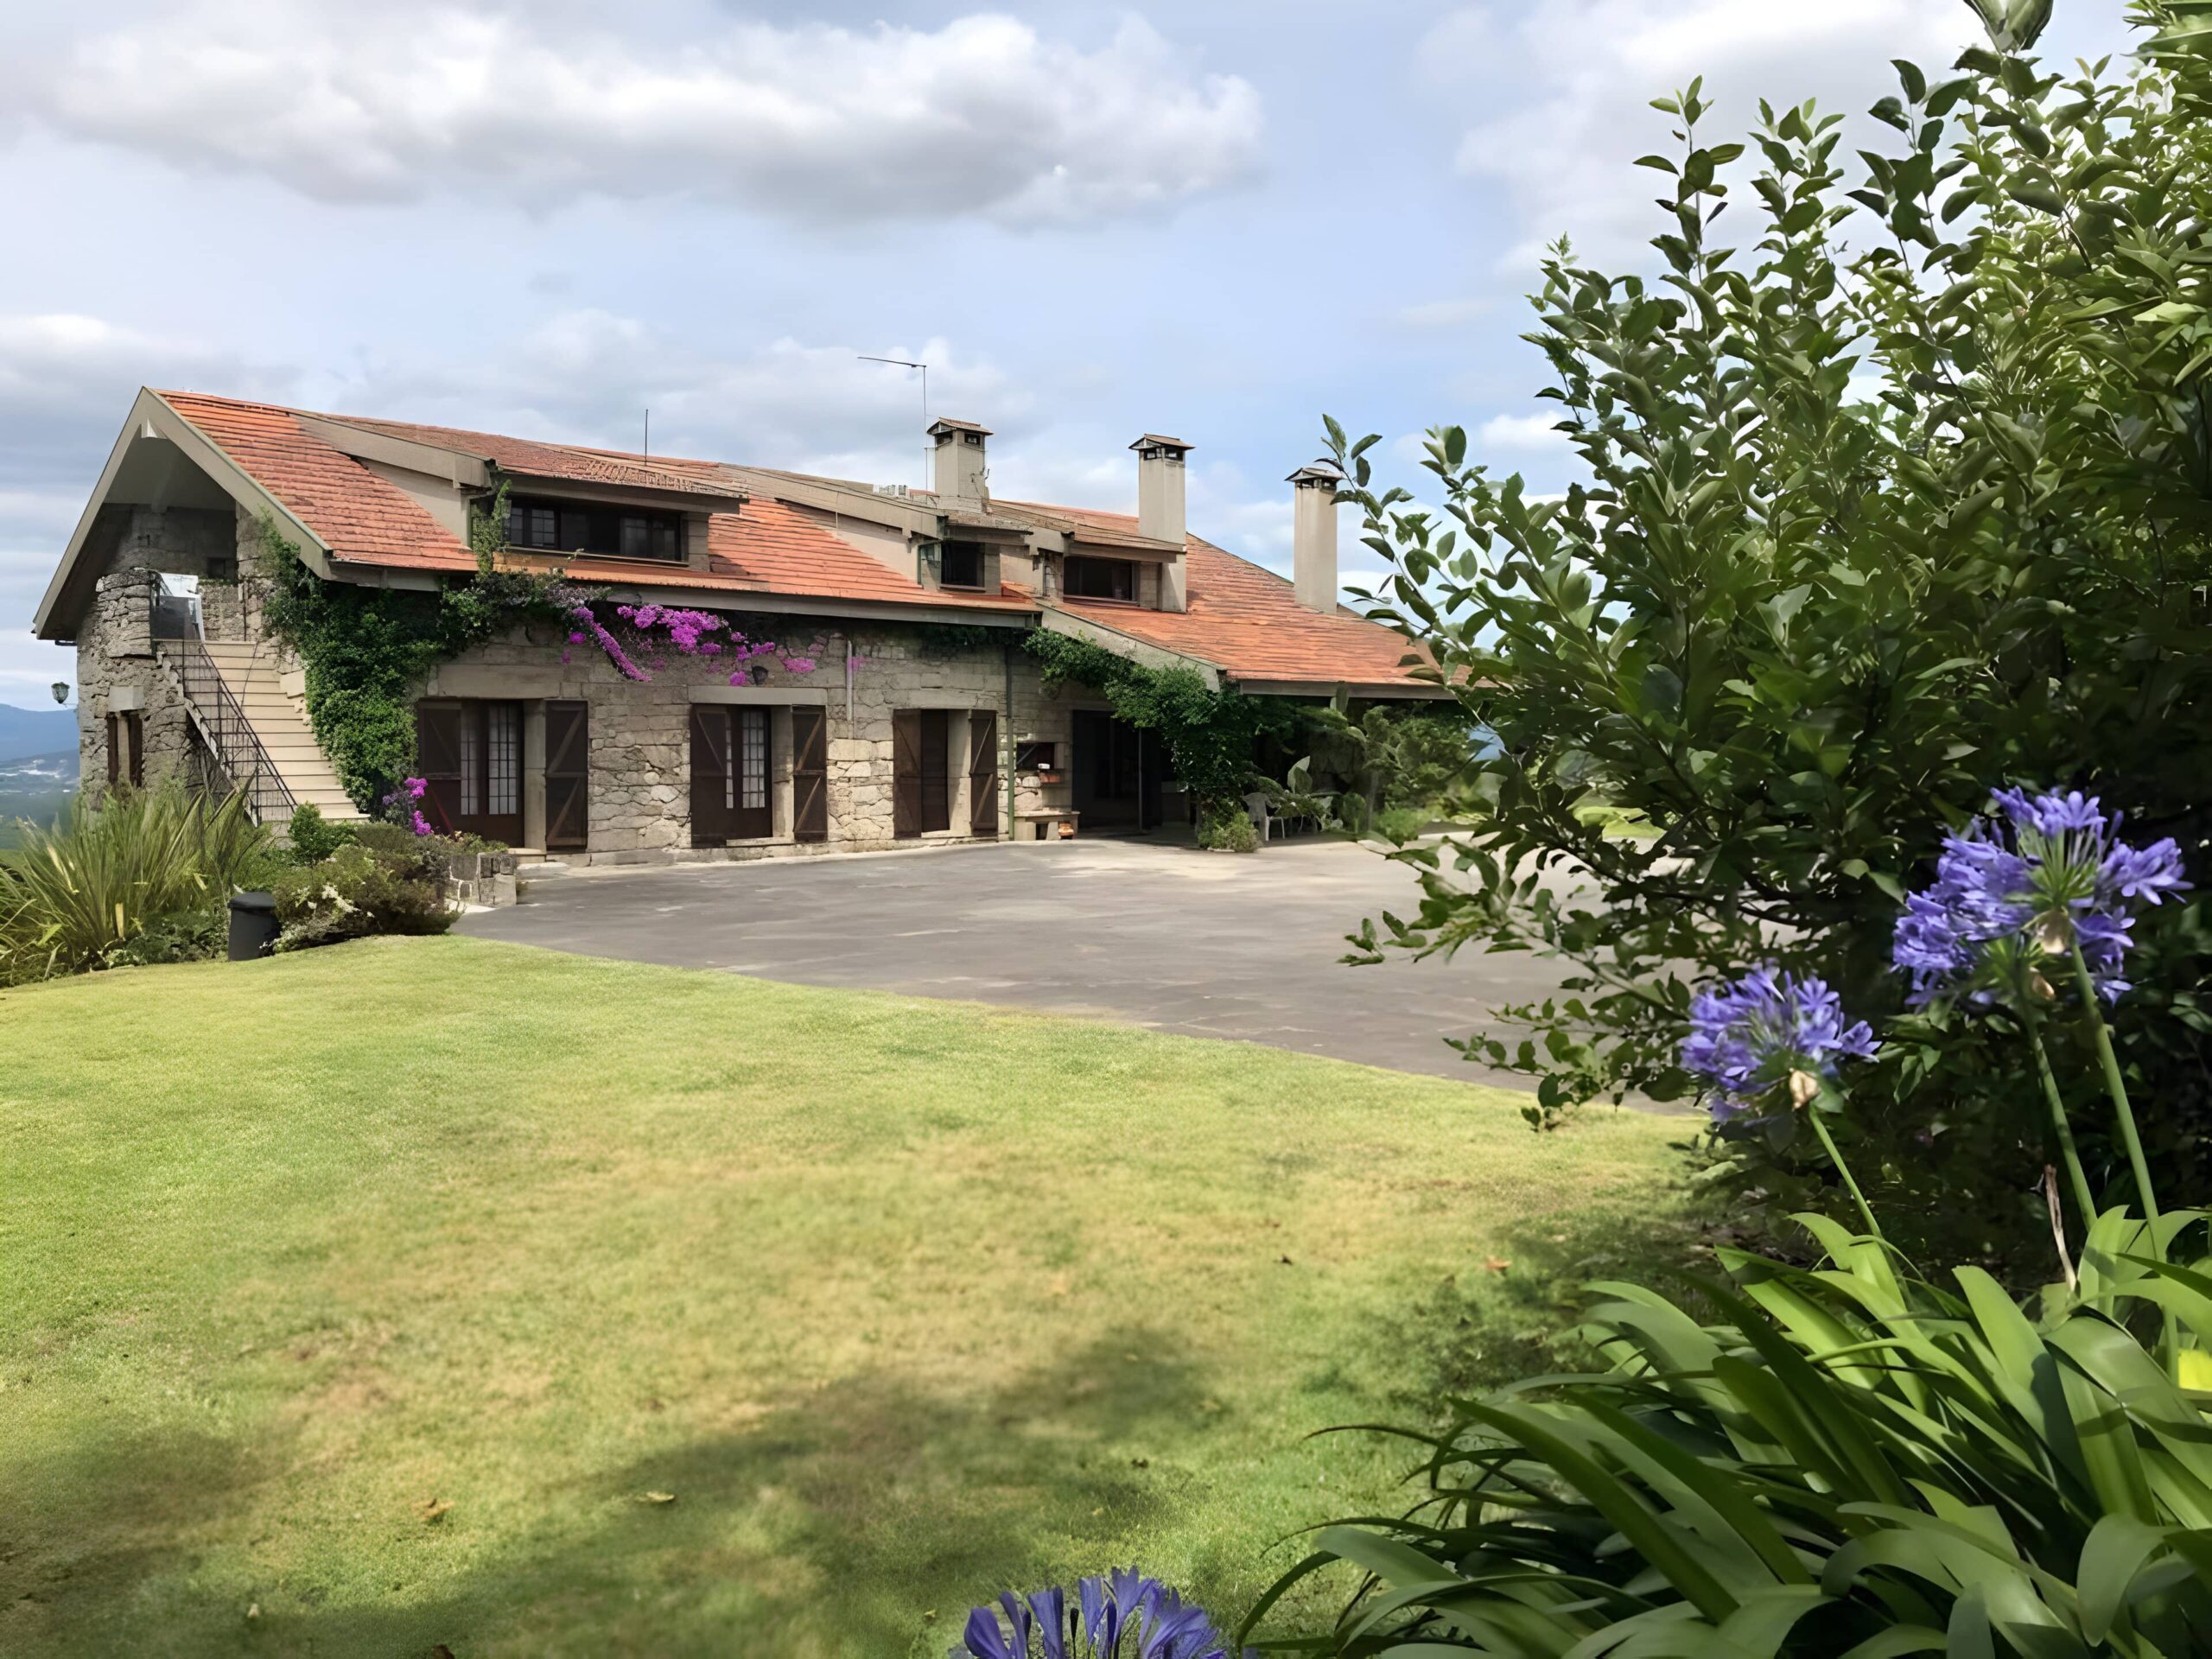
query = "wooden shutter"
{"x": 906, "y": 772}
{"x": 114, "y": 750}
{"x": 937, "y": 769}
{"x": 809, "y": 774}
{"x": 568, "y": 776}
{"x": 134, "y": 732}
{"x": 710, "y": 781}
{"x": 983, "y": 772}
{"x": 437, "y": 757}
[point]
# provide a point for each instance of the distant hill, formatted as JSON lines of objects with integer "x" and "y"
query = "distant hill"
{"x": 35, "y": 731}
{"x": 36, "y": 787}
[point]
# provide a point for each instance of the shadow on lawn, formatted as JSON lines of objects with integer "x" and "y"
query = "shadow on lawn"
{"x": 809, "y": 1534}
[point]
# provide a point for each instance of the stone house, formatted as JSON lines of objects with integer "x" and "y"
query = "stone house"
{"x": 901, "y": 708}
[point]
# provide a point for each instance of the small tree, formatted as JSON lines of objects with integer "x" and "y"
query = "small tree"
{"x": 1907, "y": 499}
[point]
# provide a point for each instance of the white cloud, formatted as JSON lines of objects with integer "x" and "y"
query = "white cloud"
{"x": 1442, "y": 314}
{"x": 1525, "y": 432}
{"x": 1564, "y": 85}
{"x": 541, "y": 106}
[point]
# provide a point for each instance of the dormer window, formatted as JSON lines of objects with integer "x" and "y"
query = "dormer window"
{"x": 961, "y": 565}
{"x": 1092, "y": 578}
{"x": 595, "y": 528}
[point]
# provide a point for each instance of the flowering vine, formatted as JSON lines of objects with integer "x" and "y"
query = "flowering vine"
{"x": 653, "y": 630}
{"x": 402, "y": 805}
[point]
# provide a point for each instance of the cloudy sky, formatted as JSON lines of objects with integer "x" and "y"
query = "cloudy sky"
{"x": 1219, "y": 218}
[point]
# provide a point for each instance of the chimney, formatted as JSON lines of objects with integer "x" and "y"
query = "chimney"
{"x": 1313, "y": 535}
{"x": 1159, "y": 509}
{"x": 959, "y": 475}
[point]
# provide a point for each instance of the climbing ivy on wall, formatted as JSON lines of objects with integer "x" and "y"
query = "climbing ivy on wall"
{"x": 366, "y": 652}
{"x": 1209, "y": 733}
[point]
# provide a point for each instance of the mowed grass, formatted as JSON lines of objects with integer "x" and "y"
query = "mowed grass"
{"x": 420, "y": 1292}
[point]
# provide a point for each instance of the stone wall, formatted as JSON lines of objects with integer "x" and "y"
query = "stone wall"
{"x": 640, "y": 733}
{"x": 116, "y": 670}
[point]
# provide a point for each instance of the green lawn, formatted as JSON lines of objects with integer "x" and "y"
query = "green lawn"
{"x": 358, "y": 1301}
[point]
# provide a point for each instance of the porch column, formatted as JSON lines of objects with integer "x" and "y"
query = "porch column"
{"x": 533, "y": 774}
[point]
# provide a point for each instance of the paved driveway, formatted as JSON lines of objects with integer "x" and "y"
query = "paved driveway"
{"x": 1164, "y": 937}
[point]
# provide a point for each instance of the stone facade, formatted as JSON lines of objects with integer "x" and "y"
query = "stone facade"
{"x": 640, "y": 733}
{"x": 116, "y": 670}
{"x": 639, "y": 783}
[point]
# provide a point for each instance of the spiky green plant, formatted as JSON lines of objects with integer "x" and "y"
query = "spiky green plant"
{"x": 112, "y": 864}
{"x": 1845, "y": 1463}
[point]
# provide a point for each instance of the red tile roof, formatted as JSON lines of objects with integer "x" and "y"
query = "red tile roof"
{"x": 1244, "y": 620}
{"x": 363, "y": 518}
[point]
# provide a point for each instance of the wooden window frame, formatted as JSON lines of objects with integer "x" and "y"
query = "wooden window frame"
{"x": 597, "y": 530}
{"x": 967, "y": 550}
{"x": 1125, "y": 576}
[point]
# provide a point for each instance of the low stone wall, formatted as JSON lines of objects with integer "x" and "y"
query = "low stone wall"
{"x": 485, "y": 878}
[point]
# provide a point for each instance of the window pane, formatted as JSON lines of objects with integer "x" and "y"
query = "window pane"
{"x": 636, "y": 538}
{"x": 962, "y": 565}
{"x": 471, "y": 765}
{"x": 576, "y": 528}
{"x": 753, "y": 757}
{"x": 665, "y": 539}
{"x": 504, "y": 740}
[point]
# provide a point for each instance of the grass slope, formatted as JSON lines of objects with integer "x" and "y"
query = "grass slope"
{"x": 360, "y": 1300}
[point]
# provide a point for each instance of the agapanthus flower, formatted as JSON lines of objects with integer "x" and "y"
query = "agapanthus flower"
{"x": 1122, "y": 1615}
{"x": 2009, "y": 895}
{"x": 1767, "y": 1036}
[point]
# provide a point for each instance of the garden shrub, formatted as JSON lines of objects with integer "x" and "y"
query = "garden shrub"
{"x": 1226, "y": 827}
{"x": 198, "y": 935}
{"x": 314, "y": 837}
{"x": 364, "y": 889}
{"x": 1864, "y": 532}
{"x": 1402, "y": 824}
{"x": 115, "y": 864}
{"x": 1858, "y": 1461}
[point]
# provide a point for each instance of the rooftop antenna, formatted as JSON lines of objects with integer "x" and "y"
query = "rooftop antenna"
{"x": 649, "y": 435}
{"x": 902, "y": 363}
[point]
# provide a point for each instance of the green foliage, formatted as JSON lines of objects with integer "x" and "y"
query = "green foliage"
{"x": 197, "y": 935}
{"x": 1225, "y": 826}
{"x": 314, "y": 837}
{"x": 951, "y": 639}
{"x": 1863, "y": 535}
{"x": 116, "y": 865}
{"x": 1850, "y": 1462}
{"x": 366, "y": 652}
{"x": 1210, "y": 734}
{"x": 361, "y": 889}
{"x": 1405, "y": 755}
{"x": 1401, "y": 823}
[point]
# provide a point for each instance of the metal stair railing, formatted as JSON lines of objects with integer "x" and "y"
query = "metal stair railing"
{"x": 221, "y": 720}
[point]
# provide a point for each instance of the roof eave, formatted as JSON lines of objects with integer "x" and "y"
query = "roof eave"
{"x": 153, "y": 415}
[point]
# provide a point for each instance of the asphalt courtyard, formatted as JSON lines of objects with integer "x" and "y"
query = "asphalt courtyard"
{"x": 1164, "y": 937}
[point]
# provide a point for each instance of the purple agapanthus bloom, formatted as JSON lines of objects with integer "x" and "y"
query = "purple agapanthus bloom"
{"x": 2009, "y": 893}
{"x": 1768, "y": 1032}
{"x": 1122, "y": 1615}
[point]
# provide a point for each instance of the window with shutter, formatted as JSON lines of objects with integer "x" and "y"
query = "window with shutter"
{"x": 983, "y": 772}
{"x": 568, "y": 776}
{"x": 810, "y": 774}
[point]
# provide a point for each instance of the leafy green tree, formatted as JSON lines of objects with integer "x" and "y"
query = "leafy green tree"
{"x": 1905, "y": 496}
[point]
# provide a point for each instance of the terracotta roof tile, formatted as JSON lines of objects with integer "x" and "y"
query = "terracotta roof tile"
{"x": 1244, "y": 618}
{"x": 363, "y": 518}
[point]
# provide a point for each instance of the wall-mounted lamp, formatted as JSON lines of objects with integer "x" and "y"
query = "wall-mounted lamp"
{"x": 60, "y": 689}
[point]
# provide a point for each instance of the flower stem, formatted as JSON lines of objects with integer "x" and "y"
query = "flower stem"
{"x": 1843, "y": 1169}
{"x": 2117, "y": 1087}
{"x": 2083, "y": 1195}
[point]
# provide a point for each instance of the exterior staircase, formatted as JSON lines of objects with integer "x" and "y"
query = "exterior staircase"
{"x": 255, "y": 729}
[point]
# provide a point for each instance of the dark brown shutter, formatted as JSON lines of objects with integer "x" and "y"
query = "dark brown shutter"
{"x": 906, "y": 772}
{"x": 114, "y": 750}
{"x": 983, "y": 772}
{"x": 810, "y": 774}
{"x": 437, "y": 754}
{"x": 567, "y": 776}
{"x": 937, "y": 769}
{"x": 134, "y": 729}
{"x": 710, "y": 813}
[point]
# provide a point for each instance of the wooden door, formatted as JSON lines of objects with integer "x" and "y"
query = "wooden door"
{"x": 437, "y": 761}
{"x": 983, "y": 772}
{"x": 906, "y": 772}
{"x": 710, "y": 780}
{"x": 568, "y": 776}
{"x": 809, "y": 774}
{"x": 752, "y": 813}
{"x": 937, "y": 770}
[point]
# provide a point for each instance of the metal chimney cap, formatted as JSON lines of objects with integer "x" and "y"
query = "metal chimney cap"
{"x": 1314, "y": 473}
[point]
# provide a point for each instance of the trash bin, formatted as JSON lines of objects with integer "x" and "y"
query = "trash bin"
{"x": 253, "y": 926}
